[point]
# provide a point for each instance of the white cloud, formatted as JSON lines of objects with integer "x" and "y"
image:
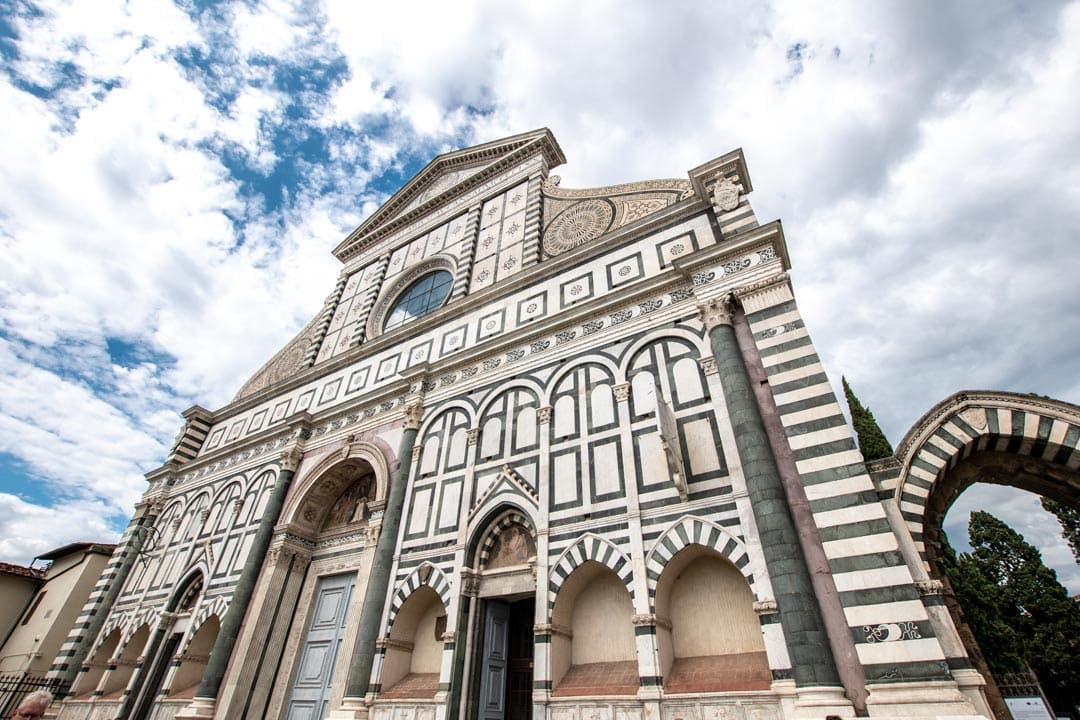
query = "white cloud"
{"x": 923, "y": 159}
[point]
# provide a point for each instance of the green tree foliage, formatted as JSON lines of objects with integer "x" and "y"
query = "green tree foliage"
{"x": 872, "y": 442}
{"x": 1003, "y": 582}
{"x": 1069, "y": 517}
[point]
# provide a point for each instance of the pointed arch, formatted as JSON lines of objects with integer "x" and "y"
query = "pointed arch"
{"x": 690, "y": 530}
{"x": 590, "y": 547}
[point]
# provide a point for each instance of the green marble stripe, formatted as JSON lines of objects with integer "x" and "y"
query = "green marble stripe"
{"x": 862, "y": 563}
{"x": 788, "y": 327}
{"x": 937, "y": 452}
{"x": 1042, "y": 434}
{"x": 860, "y": 528}
{"x": 878, "y": 595}
{"x": 803, "y": 382}
{"x": 785, "y": 346}
{"x": 1019, "y": 420}
{"x": 909, "y": 671}
{"x": 923, "y": 465}
{"x": 992, "y": 421}
{"x": 943, "y": 434}
{"x": 831, "y": 447}
{"x": 770, "y": 312}
{"x": 814, "y": 425}
{"x": 918, "y": 482}
{"x": 825, "y": 398}
{"x": 913, "y": 498}
{"x": 1068, "y": 444}
{"x": 862, "y": 634}
{"x": 793, "y": 364}
{"x": 847, "y": 500}
{"x": 840, "y": 472}
{"x": 965, "y": 426}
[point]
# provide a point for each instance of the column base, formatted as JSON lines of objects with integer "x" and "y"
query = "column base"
{"x": 199, "y": 709}
{"x": 971, "y": 684}
{"x": 352, "y": 708}
{"x": 931, "y": 699}
{"x": 821, "y": 702}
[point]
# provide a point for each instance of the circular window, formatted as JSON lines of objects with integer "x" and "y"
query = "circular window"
{"x": 423, "y": 296}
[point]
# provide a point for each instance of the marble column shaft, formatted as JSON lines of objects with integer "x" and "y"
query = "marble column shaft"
{"x": 245, "y": 586}
{"x": 811, "y": 657}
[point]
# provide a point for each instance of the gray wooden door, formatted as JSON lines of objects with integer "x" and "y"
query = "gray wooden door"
{"x": 315, "y": 667}
{"x": 493, "y": 669}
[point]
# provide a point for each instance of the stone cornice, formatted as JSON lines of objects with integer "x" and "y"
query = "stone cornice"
{"x": 502, "y": 155}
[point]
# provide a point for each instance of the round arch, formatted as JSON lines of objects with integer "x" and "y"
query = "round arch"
{"x": 1025, "y": 441}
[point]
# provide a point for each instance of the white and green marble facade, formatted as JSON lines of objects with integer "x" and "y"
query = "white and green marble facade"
{"x": 531, "y": 398}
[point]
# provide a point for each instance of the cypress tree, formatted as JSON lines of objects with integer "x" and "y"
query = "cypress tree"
{"x": 1069, "y": 517}
{"x": 872, "y": 442}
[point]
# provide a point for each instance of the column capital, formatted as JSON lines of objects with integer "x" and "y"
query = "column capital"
{"x": 543, "y": 415}
{"x": 290, "y": 459}
{"x": 414, "y": 413}
{"x": 715, "y": 313}
{"x": 622, "y": 391}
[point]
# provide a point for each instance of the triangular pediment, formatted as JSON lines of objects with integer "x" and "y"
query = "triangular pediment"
{"x": 446, "y": 177}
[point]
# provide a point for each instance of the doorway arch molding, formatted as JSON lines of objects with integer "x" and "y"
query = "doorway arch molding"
{"x": 1032, "y": 440}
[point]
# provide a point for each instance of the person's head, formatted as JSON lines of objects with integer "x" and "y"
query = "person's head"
{"x": 33, "y": 706}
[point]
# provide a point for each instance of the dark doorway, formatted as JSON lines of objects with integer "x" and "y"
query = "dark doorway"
{"x": 506, "y": 672}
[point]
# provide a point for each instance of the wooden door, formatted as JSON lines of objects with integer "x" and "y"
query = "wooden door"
{"x": 311, "y": 689}
{"x": 493, "y": 663}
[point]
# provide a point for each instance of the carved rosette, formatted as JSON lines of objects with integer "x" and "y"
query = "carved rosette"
{"x": 578, "y": 224}
{"x": 716, "y": 312}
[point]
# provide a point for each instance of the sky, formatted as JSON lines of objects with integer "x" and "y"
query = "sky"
{"x": 174, "y": 176}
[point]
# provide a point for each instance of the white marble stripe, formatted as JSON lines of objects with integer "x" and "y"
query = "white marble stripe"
{"x": 825, "y": 462}
{"x": 845, "y": 516}
{"x": 866, "y": 579}
{"x": 914, "y": 489}
{"x": 794, "y": 354}
{"x": 805, "y": 393}
{"x": 911, "y": 507}
{"x": 819, "y": 437}
{"x": 814, "y": 413}
{"x": 922, "y": 474}
{"x": 847, "y": 486}
{"x": 931, "y": 459}
{"x": 920, "y": 650}
{"x": 799, "y": 372}
{"x": 1031, "y": 433}
{"x": 864, "y": 545}
{"x": 1055, "y": 439}
{"x": 784, "y": 337}
{"x": 782, "y": 319}
{"x": 899, "y": 611}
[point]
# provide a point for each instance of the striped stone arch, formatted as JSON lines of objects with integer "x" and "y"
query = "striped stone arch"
{"x": 424, "y": 574}
{"x": 688, "y": 531}
{"x": 491, "y": 533}
{"x": 1027, "y": 441}
{"x": 217, "y": 606}
{"x": 589, "y": 547}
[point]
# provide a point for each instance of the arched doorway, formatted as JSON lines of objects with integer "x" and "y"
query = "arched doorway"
{"x": 503, "y": 561}
{"x": 999, "y": 438}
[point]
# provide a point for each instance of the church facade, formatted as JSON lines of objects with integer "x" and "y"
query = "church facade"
{"x": 548, "y": 453}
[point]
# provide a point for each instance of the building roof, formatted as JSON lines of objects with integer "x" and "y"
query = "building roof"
{"x": 102, "y": 548}
{"x": 21, "y": 570}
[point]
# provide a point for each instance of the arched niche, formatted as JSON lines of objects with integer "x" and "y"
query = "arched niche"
{"x": 125, "y": 662}
{"x": 708, "y": 634}
{"x": 414, "y": 649}
{"x": 194, "y": 659}
{"x": 97, "y": 664}
{"x": 593, "y": 651}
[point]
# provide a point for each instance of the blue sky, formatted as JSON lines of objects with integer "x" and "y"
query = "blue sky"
{"x": 175, "y": 176}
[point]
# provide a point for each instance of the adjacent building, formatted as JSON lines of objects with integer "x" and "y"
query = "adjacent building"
{"x": 549, "y": 453}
